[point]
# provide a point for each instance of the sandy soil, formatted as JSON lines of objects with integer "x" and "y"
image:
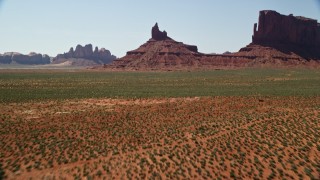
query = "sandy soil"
{"x": 187, "y": 138}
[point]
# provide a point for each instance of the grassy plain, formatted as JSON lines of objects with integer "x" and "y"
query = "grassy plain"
{"x": 26, "y": 85}
{"x": 230, "y": 124}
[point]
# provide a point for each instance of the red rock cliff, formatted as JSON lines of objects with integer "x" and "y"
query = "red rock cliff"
{"x": 275, "y": 28}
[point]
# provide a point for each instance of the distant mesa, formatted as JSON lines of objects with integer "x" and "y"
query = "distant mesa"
{"x": 277, "y": 41}
{"x": 85, "y": 56}
{"x": 18, "y": 58}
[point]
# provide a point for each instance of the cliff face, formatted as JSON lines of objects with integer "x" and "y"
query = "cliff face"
{"x": 293, "y": 36}
{"x": 277, "y": 28}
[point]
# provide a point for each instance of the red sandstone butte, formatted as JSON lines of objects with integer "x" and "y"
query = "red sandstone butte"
{"x": 292, "y": 36}
{"x": 275, "y": 28}
{"x": 159, "y": 52}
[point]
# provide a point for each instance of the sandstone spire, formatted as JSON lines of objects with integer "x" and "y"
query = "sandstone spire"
{"x": 157, "y": 35}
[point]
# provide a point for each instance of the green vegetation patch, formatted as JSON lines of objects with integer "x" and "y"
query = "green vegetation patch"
{"x": 21, "y": 85}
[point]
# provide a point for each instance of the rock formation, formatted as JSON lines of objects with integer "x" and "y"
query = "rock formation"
{"x": 279, "y": 41}
{"x": 157, "y": 35}
{"x": 83, "y": 52}
{"x": 86, "y": 53}
{"x": 274, "y": 28}
{"x": 293, "y": 36}
{"x": 160, "y": 51}
{"x": 30, "y": 59}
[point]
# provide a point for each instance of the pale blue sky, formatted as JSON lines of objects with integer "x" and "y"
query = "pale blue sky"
{"x": 53, "y": 26}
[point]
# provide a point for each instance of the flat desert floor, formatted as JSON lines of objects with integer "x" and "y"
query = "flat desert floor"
{"x": 187, "y": 138}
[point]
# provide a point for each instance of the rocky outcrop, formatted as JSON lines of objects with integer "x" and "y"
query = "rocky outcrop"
{"x": 104, "y": 55}
{"x": 160, "y": 51}
{"x": 157, "y": 35}
{"x": 98, "y": 56}
{"x": 83, "y": 52}
{"x": 288, "y": 34}
{"x": 30, "y": 59}
{"x": 168, "y": 54}
{"x": 279, "y": 41}
{"x": 275, "y": 28}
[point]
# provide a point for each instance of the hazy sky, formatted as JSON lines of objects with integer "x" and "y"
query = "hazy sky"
{"x": 53, "y": 26}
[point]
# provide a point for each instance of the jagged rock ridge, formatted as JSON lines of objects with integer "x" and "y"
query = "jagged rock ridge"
{"x": 85, "y": 55}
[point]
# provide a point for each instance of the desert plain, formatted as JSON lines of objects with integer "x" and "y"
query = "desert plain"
{"x": 215, "y": 124}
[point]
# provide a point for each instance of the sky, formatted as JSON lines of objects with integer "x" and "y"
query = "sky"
{"x": 215, "y": 26}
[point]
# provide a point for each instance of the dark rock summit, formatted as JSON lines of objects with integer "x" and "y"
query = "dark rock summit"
{"x": 157, "y": 35}
{"x": 84, "y": 55}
